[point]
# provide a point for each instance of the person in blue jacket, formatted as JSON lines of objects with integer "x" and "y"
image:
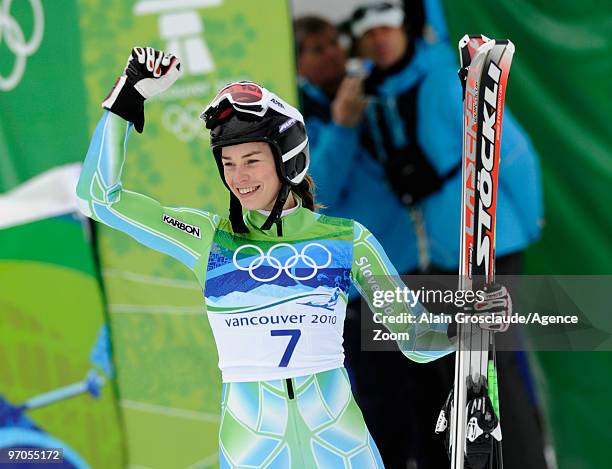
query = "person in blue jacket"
{"x": 402, "y": 152}
{"x": 413, "y": 128}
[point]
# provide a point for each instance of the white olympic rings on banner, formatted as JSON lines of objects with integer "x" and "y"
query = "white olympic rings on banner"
{"x": 12, "y": 34}
{"x": 184, "y": 121}
{"x": 280, "y": 267}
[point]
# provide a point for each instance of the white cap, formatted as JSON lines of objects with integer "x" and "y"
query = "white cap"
{"x": 373, "y": 16}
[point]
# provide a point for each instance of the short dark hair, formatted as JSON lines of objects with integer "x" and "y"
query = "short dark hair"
{"x": 307, "y": 26}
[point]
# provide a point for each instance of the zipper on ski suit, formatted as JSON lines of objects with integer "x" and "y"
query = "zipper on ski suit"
{"x": 290, "y": 392}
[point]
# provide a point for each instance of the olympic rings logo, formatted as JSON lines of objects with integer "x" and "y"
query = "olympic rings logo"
{"x": 289, "y": 264}
{"x": 12, "y": 34}
{"x": 184, "y": 121}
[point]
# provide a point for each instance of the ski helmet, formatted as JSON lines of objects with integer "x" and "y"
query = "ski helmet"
{"x": 245, "y": 112}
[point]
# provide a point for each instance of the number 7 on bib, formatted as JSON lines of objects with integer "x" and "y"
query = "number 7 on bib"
{"x": 295, "y": 336}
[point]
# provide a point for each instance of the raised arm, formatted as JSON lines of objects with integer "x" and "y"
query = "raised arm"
{"x": 183, "y": 233}
{"x": 372, "y": 271}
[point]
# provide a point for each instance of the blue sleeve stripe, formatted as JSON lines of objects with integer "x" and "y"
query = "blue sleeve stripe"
{"x": 380, "y": 253}
{"x": 103, "y": 142}
{"x": 145, "y": 235}
{"x": 106, "y": 157}
{"x": 361, "y": 236}
{"x": 357, "y": 230}
{"x": 380, "y": 256}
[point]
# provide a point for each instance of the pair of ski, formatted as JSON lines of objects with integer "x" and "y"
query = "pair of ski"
{"x": 473, "y": 434}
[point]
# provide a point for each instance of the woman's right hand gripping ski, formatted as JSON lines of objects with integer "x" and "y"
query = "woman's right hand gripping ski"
{"x": 147, "y": 73}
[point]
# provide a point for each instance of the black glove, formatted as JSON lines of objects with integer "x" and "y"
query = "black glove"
{"x": 148, "y": 72}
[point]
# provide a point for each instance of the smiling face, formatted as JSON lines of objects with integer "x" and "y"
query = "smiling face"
{"x": 250, "y": 173}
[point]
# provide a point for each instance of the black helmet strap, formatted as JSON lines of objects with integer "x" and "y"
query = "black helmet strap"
{"x": 277, "y": 210}
{"x": 235, "y": 215}
{"x": 235, "y": 211}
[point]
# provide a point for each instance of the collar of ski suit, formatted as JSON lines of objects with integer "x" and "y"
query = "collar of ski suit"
{"x": 294, "y": 221}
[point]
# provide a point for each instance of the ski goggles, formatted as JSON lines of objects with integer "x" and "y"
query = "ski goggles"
{"x": 245, "y": 97}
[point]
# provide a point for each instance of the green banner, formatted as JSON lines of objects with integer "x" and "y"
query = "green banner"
{"x": 559, "y": 90}
{"x": 56, "y": 387}
{"x": 168, "y": 379}
{"x": 42, "y": 95}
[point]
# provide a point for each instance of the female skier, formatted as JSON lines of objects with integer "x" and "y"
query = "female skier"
{"x": 275, "y": 275}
